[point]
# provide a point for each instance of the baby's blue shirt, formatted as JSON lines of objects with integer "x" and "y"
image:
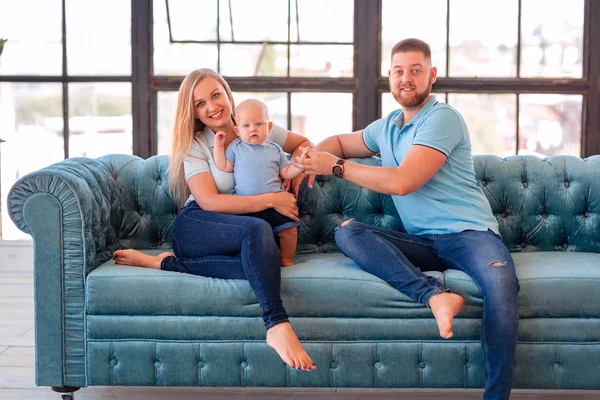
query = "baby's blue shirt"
{"x": 256, "y": 167}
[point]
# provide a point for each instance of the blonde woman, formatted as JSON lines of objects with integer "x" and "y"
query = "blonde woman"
{"x": 210, "y": 238}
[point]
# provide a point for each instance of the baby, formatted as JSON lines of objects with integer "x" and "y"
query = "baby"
{"x": 258, "y": 165}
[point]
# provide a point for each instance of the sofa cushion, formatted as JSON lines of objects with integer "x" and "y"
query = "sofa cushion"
{"x": 329, "y": 284}
{"x": 319, "y": 285}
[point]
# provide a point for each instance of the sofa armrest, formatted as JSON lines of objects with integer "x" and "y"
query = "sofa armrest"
{"x": 65, "y": 208}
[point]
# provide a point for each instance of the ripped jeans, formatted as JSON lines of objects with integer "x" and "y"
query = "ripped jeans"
{"x": 399, "y": 258}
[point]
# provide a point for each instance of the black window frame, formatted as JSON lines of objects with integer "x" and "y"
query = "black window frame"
{"x": 367, "y": 85}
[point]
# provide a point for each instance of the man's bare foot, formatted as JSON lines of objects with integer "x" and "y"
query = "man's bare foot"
{"x": 283, "y": 339}
{"x": 445, "y": 306}
{"x": 139, "y": 259}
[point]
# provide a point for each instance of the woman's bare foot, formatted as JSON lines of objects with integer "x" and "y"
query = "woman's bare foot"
{"x": 445, "y": 306}
{"x": 139, "y": 259}
{"x": 283, "y": 339}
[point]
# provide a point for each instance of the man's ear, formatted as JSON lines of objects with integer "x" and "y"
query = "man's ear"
{"x": 270, "y": 125}
{"x": 433, "y": 75}
{"x": 237, "y": 130}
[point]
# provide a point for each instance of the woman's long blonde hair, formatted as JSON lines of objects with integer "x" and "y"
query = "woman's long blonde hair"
{"x": 186, "y": 124}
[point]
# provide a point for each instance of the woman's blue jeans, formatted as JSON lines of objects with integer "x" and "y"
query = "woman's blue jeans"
{"x": 227, "y": 246}
{"x": 398, "y": 258}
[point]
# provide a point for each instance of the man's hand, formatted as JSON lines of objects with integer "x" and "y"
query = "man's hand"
{"x": 316, "y": 162}
{"x": 220, "y": 139}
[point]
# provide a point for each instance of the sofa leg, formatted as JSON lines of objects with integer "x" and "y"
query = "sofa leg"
{"x": 67, "y": 391}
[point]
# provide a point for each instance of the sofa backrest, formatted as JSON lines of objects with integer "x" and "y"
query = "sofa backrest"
{"x": 541, "y": 205}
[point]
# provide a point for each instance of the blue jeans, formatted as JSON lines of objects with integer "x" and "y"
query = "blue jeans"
{"x": 398, "y": 257}
{"x": 227, "y": 246}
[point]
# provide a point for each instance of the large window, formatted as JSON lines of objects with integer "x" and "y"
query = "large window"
{"x": 296, "y": 43}
{"x": 515, "y": 73}
{"x": 65, "y": 87}
{"x": 101, "y": 76}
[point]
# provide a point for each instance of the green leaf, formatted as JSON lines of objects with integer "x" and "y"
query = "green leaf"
{"x": 2, "y": 41}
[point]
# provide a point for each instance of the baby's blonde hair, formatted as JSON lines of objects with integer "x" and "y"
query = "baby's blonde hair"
{"x": 186, "y": 124}
{"x": 250, "y": 103}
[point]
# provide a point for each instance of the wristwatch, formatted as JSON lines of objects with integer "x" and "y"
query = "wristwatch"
{"x": 338, "y": 168}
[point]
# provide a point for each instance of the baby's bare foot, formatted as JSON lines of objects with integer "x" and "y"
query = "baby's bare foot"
{"x": 283, "y": 339}
{"x": 445, "y": 306}
{"x": 139, "y": 259}
{"x": 287, "y": 262}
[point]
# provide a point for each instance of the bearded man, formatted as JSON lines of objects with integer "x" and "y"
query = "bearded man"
{"x": 427, "y": 167}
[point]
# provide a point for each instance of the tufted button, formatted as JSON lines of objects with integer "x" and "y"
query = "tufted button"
{"x": 586, "y": 214}
{"x": 377, "y": 365}
{"x": 544, "y": 215}
{"x": 156, "y": 364}
{"x": 468, "y": 365}
{"x": 159, "y": 181}
{"x": 525, "y": 184}
{"x": 566, "y": 184}
{"x": 483, "y": 183}
{"x": 319, "y": 243}
{"x": 422, "y": 365}
{"x": 523, "y": 244}
{"x": 201, "y": 364}
{"x": 504, "y": 215}
{"x": 113, "y": 361}
{"x": 333, "y": 365}
{"x": 244, "y": 364}
{"x": 565, "y": 245}
{"x": 556, "y": 366}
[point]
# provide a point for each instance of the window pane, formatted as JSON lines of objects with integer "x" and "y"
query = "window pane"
{"x": 31, "y": 123}
{"x": 255, "y": 20}
{"x": 550, "y": 124}
{"x": 552, "y": 39}
{"x": 322, "y": 60}
{"x": 31, "y": 51}
{"x": 166, "y": 107}
{"x": 275, "y": 102}
{"x": 190, "y": 20}
{"x": 259, "y": 60}
{"x": 98, "y": 37}
{"x": 315, "y": 22}
{"x": 99, "y": 119}
{"x": 389, "y": 104}
{"x": 179, "y": 58}
{"x": 483, "y": 38}
{"x": 491, "y": 119}
{"x": 311, "y": 119}
{"x": 399, "y": 22}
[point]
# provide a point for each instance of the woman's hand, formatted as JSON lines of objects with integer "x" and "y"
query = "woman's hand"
{"x": 285, "y": 203}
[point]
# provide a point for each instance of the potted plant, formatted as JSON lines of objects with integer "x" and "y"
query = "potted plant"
{"x": 2, "y": 41}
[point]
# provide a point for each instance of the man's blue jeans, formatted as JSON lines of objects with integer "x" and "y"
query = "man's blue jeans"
{"x": 398, "y": 258}
{"x": 227, "y": 246}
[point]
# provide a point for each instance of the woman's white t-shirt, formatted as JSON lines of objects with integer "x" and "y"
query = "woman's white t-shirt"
{"x": 200, "y": 158}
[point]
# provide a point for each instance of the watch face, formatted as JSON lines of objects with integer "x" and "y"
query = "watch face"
{"x": 337, "y": 171}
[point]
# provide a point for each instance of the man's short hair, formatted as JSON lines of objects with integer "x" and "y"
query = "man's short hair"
{"x": 412, "y": 44}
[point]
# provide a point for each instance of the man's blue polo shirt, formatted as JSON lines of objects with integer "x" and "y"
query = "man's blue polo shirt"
{"x": 450, "y": 201}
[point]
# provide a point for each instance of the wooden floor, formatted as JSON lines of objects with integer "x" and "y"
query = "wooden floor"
{"x": 17, "y": 357}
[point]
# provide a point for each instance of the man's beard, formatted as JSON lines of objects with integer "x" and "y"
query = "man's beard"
{"x": 416, "y": 101}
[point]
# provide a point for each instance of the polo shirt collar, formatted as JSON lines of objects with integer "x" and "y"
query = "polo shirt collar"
{"x": 428, "y": 104}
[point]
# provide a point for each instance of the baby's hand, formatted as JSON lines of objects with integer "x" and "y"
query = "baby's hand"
{"x": 220, "y": 139}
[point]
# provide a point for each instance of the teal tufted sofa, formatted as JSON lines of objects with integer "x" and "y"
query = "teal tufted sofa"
{"x": 98, "y": 323}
